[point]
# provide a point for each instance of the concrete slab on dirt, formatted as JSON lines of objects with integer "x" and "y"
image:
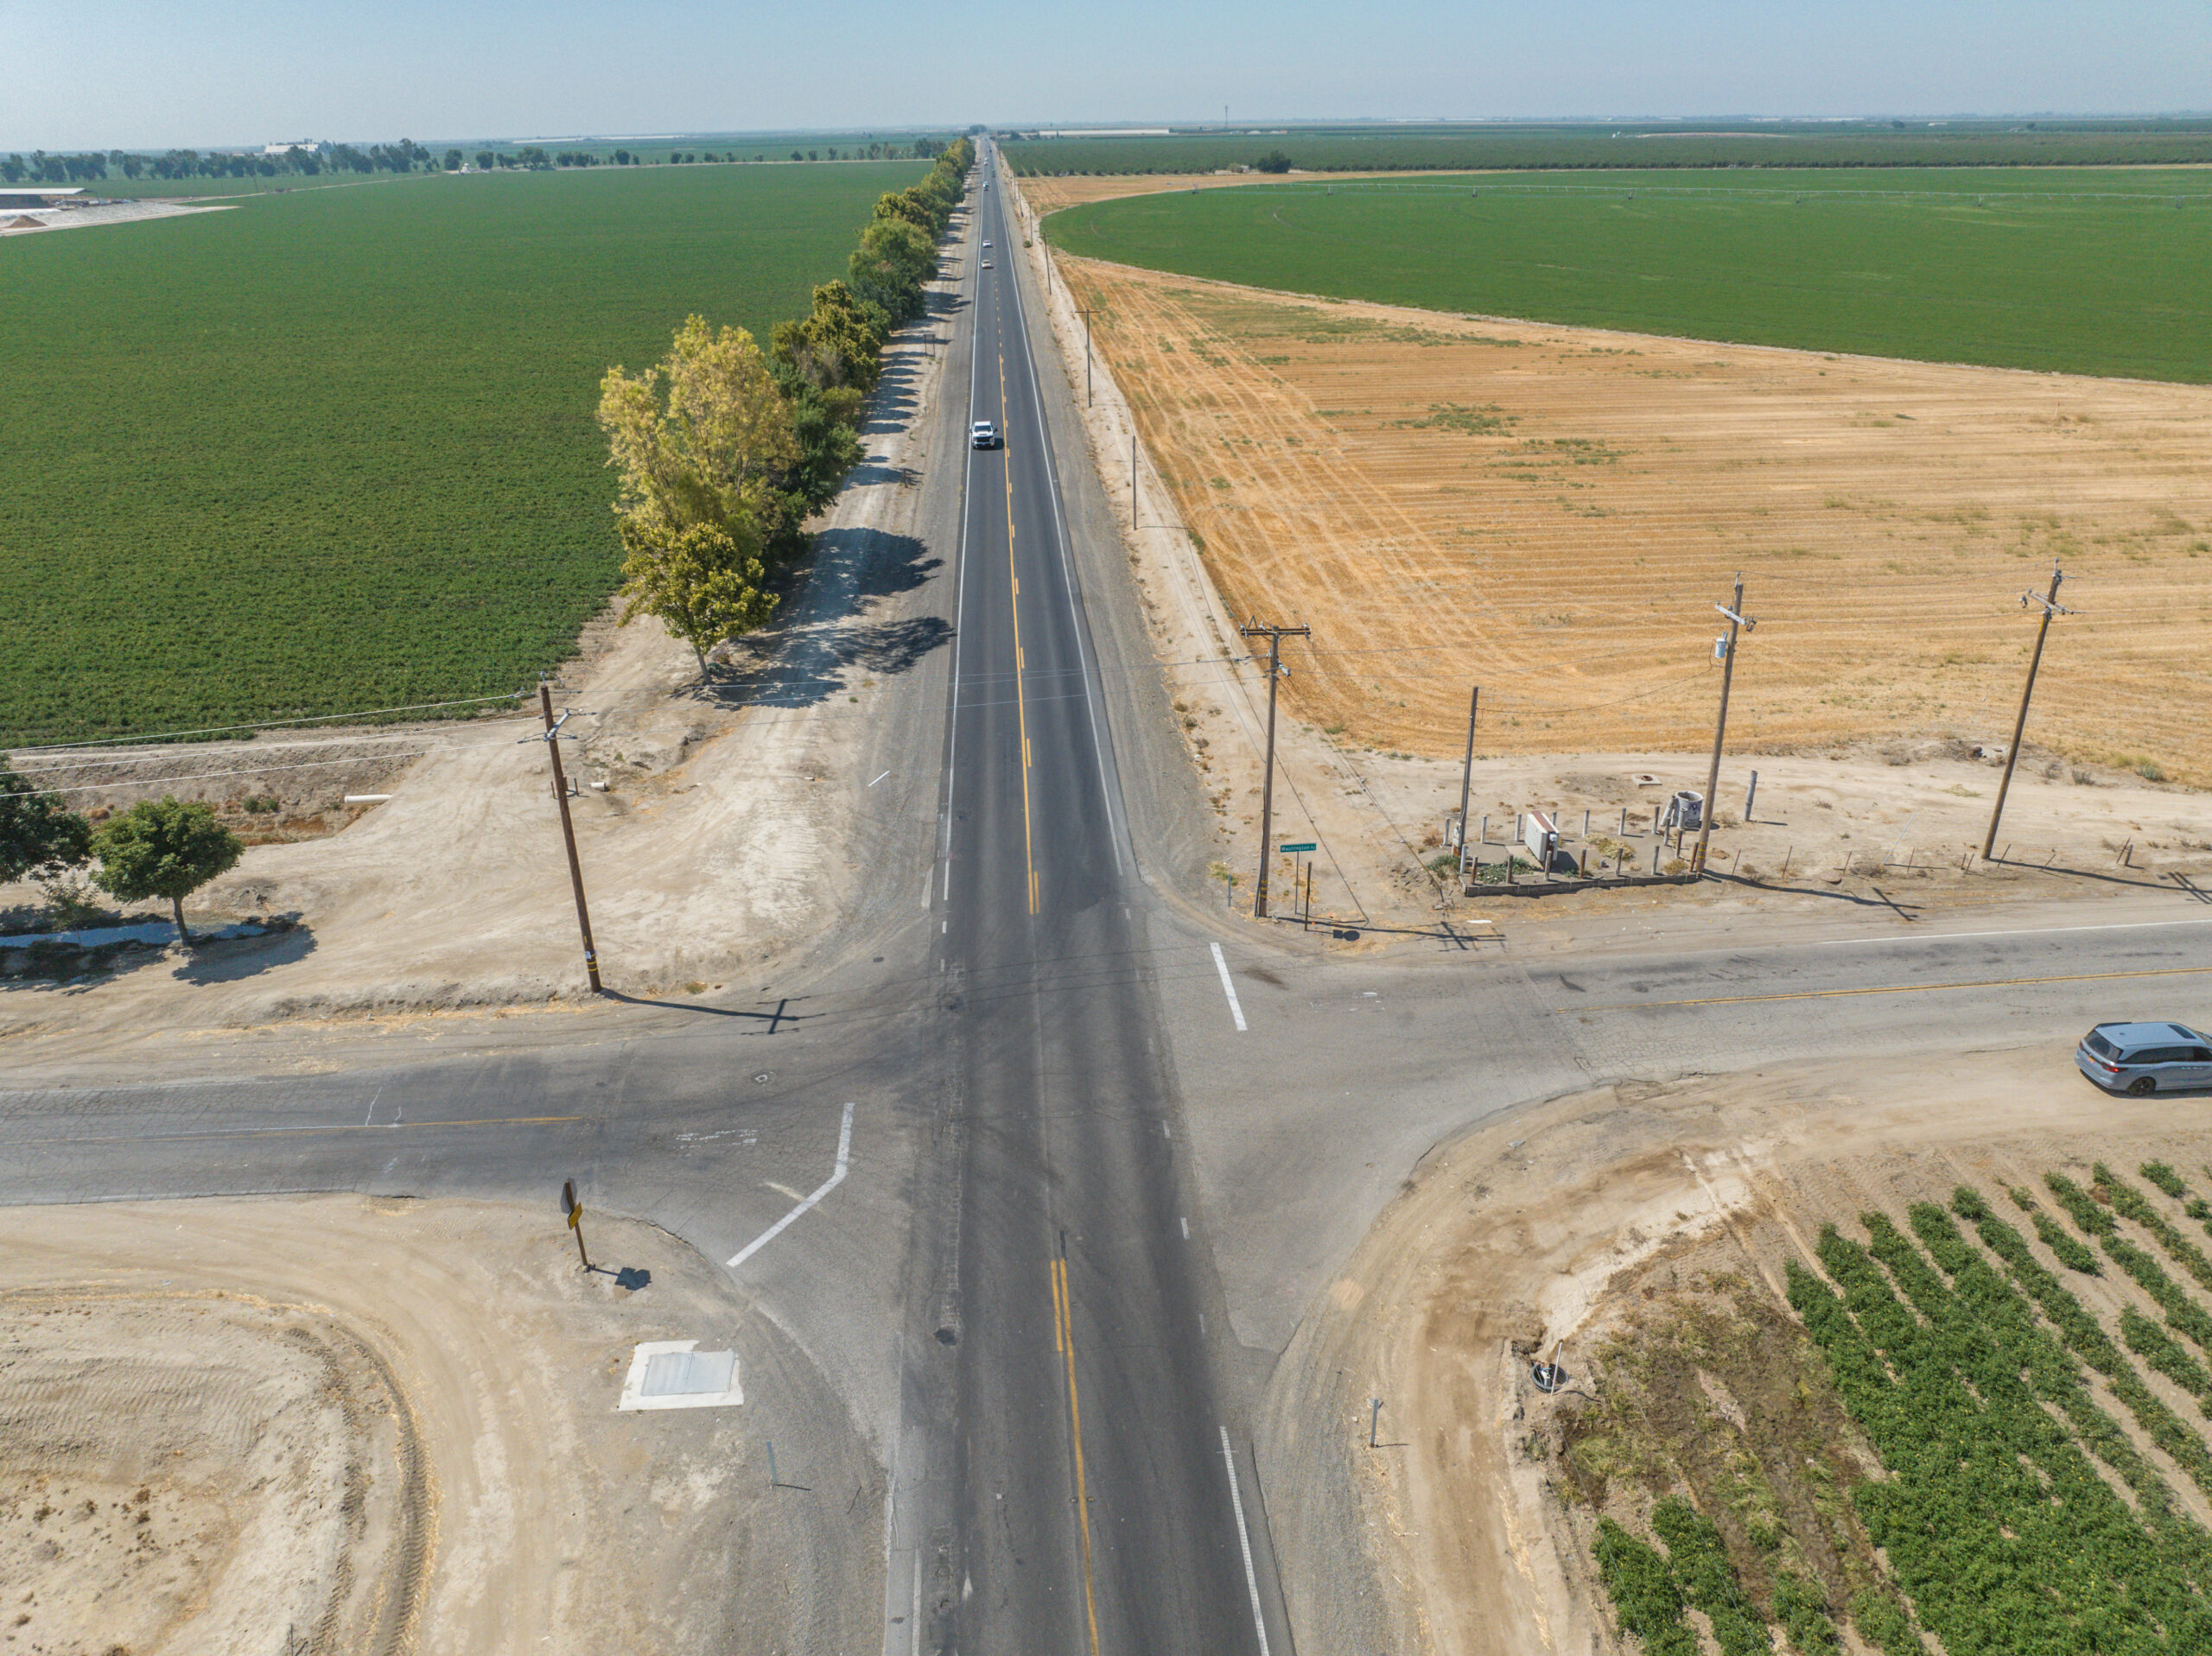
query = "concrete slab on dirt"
{"x": 677, "y": 1374}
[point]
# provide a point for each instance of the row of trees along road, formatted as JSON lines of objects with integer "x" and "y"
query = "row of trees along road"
{"x": 724, "y": 451}
{"x": 159, "y": 847}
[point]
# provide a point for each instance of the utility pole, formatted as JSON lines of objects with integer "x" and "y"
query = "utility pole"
{"x": 1467, "y": 774}
{"x": 1720, "y": 725}
{"x": 2050, "y": 606}
{"x": 1274, "y": 636}
{"x": 552, "y": 739}
{"x": 1085, "y": 312}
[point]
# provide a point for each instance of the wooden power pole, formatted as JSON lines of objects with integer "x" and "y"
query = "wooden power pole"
{"x": 1085, "y": 312}
{"x": 1274, "y": 636}
{"x": 1736, "y": 619}
{"x": 568, "y": 828}
{"x": 1467, "y": 775}
{"x": 2050, "y": 606}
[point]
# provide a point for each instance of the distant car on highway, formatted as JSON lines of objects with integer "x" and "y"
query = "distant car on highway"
{"x": 986, "y": 247}
{"x": 986, "y": 264}
{"x": 2145, "y": 1059}
{"x": 984, "y": 435}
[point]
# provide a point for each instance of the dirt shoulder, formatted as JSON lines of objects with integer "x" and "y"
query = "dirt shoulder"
{"x": 1586, "y": 1220}
{"x": 333, "y": 1423}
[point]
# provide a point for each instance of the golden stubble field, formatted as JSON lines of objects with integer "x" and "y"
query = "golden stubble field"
{"x": 1552, "y": 512}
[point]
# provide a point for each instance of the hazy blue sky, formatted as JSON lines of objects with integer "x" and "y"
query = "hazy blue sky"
{"x": 142, "y": 73}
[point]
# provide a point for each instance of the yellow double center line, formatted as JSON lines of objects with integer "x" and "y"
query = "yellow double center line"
{"x": 1064, "y": 1342}
{"x": 1020, "y": 698}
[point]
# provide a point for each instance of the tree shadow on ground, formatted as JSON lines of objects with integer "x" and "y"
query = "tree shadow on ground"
{"x": 832, "y": 629}
{"x": 235, "y": 958}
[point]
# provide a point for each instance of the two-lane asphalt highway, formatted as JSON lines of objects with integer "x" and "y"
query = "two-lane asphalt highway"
{"x": 1090, "y": 1507}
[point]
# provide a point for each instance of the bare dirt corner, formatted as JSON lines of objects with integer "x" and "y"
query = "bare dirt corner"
{"x": 1647, "y": 1227}
{"x": 339, "y": 1424}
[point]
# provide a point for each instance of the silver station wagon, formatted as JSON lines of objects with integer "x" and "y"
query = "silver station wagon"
{"x": 2144, "y": 1058}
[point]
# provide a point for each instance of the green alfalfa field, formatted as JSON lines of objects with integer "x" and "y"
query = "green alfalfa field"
{"x": 333, "y": 449}
{"x": 2079, "y": 271}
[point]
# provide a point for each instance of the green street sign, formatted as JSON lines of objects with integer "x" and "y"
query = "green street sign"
{"x": 1306, "y": 846}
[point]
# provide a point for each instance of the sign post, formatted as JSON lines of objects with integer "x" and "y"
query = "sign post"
{"x": 574, "y": 1209}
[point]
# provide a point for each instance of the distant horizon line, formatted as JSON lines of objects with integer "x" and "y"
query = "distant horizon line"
{"x": 1244, "y": 125}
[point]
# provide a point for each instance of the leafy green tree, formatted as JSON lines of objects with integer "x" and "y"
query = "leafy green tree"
{"x": 704, "y": 440}
{"x": 713, "y": 449}
{"x": 453, "y": 161}
{"x": 486, "y": 160}
{"x": 890, "y": 265}
{"x": 37, "y": 835}
{"x": 698, "y": 582}
{"x": 1274, "y": 161}
{"x": 166, "y": 847}
{"x": 839, "y": 343}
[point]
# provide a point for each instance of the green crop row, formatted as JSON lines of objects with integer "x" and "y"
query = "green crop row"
{"x": 1649, "y": 1590}
{"x": 2005, "y": 1536}
{"x": 2163, "y": 1176}
{"x": 2084, "y": 1210}
{"x": 2129, "y": 1202}
{"x": 2011, "y": 1318}
{"x": 2089, "y": 1341}
{"x": 2045, "y": 276}
{"x": 1647, "y": 1599}
{"x": 2070, "y": 1252}
{"x": 1700, "y": 1562}
{"x": 2166, "y": 1354}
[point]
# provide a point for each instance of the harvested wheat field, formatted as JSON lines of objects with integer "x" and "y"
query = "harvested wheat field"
{"x": 1552, "y": 512}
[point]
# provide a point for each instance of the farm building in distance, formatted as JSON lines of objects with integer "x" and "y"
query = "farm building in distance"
{"x": 16, "y": 198}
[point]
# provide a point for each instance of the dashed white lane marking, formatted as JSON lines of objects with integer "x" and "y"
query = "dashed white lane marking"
{"x": 835, "y": 1178}
{"x": 1186, "y": 1229}
{"x": 879, "y": 778}
{"x": 1244, "y": 1540}
{"x": 1221, "y": 963}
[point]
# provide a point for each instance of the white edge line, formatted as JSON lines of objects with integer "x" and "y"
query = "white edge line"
{"x": 2018, "y": 931}
{"x": 1221, "y": 964}
{"x": 1244, "y": 1540}
{"x": 879, "y": 778}
{"x": 960, "y": 602}
{"x": 835, "y": 1178}
{"x": 1067, "y": 573}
